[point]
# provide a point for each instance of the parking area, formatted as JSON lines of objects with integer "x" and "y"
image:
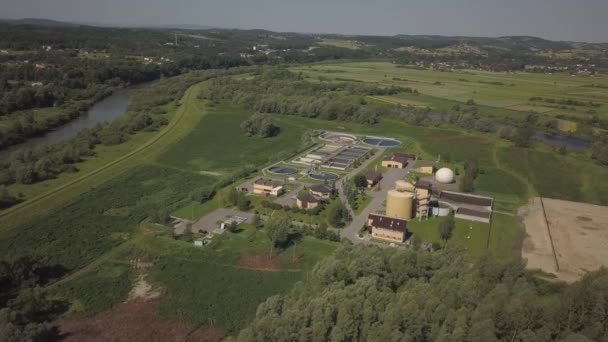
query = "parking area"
{"x": 212, "y": 221}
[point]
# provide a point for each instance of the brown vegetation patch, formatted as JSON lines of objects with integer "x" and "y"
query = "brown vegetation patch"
{"x": 263, "y": 261}
{"x": 514, "y": 155}
{"x": 133, "y": 321}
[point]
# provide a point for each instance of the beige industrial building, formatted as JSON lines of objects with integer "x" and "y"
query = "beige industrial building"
{"x": 320, "y": 190}
{"x": 427, "y": 167}
{"x": 373, "y": 178}
{"x": 307, "y": 201}
{"x": 397, "y": 160}
{"x": 264, "y": 186}
{"x": 409, "y": 200}
{"x": 387, "y": 228}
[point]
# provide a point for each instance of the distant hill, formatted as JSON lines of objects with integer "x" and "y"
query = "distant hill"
{"x": 38, "y": 22}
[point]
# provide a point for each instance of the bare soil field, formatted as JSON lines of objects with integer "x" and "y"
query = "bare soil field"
{"x": 134, "y": 321}
{"x": 262, "y": 261}
{"x": 579, "y": 232}
{"x": 529, "y": 108}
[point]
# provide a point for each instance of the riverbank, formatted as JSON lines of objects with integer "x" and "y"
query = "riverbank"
{"x": 108, "y": 162}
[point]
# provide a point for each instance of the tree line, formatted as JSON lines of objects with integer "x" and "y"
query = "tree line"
{"x": 372, "y": 294}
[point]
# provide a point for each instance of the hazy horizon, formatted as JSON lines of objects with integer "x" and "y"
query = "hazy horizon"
{"x": 555, "y": 20}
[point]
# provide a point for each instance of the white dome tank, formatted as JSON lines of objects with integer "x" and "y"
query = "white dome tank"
{"x": 444, "y": 176}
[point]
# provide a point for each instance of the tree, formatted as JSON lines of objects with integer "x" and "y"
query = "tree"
{"x": 277, "y": 230}
{"x": 360, "y": 181}
{"x": 256, "y": 221}
{"x": 523, "y": 136}
{"x": 6, "y": 199}
{"x": 446, "y": 227}
{"x": 260, "y": 125}
{"x": 337, "y": 213}
{"x": 243, "y": 203}
{"x": 232, "y": 227}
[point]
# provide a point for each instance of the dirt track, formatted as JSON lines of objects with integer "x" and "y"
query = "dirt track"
{"x": 579, "y": 232}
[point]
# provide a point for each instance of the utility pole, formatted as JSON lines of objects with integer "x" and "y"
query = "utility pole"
{"x": 175, "y": 34}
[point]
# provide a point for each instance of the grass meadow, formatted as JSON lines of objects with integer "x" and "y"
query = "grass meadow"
{"x": 217, "y": 142}
{"x": 508, "y": 91}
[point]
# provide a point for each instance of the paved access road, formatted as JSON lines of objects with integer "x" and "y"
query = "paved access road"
{"x": 387, "y": 183}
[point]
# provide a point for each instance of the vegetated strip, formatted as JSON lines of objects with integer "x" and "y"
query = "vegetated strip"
{"x": 181, "y": 112}
{"x": 542, "y": 205}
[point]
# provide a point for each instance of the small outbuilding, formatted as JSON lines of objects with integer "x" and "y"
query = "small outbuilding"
{"x": 427, "y": 167}
{"x": 321, "y": 191}
{"x": 264, "y": 186}
{"x": 373, "y": 178}
{"x": 398, "y": 160}
{"x": 387, "y": 228}
{"x": 307, "y": 201}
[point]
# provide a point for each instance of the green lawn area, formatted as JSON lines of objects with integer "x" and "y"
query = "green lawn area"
{"x": 473, "y": 236}
{"x": 362, "y": 202}
{"x": 217, "y": 142}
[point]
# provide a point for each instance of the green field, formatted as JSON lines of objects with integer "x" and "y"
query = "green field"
{"x": 497, "y": 238}
{"x": 509, "y": 91}
{"x": 217, "y": 143}
{"x": 91, "y": 223}
{"x": 98, "y": 220}
{"x": 208, "y": 284}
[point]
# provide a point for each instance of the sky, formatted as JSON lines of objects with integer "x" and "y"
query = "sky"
{"x": 581, "y": 20}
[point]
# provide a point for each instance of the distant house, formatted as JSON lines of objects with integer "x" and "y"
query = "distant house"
{"x": 398, "y": 160}
{"x": 373, "y": 177}
{"x": 307, "y": 201}
{"x": 264, "y": 186}
{"x": 387, "y": 228}
{"x": 322, "y": 191}
{"x": 427, "y": 167}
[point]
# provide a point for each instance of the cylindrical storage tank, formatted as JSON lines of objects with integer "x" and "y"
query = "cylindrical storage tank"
{"x": 441, "y": 211}
{"x": 402, "y": 185}
{"x": 399, "y": 204}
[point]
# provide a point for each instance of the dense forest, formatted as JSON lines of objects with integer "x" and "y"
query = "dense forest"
{"x": 373, "y": 294}
{"x": 277, "y": 90}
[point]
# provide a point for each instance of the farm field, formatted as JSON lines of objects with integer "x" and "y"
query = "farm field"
{"x": 511, "y": 91}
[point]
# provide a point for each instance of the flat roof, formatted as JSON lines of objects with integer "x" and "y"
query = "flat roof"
{"x": 471, "y": 212}
{"x": 268, "y": 182}
{"x": 466, "y": 198}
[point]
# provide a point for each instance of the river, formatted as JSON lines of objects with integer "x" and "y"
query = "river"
{"x": 105, "y": 110}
